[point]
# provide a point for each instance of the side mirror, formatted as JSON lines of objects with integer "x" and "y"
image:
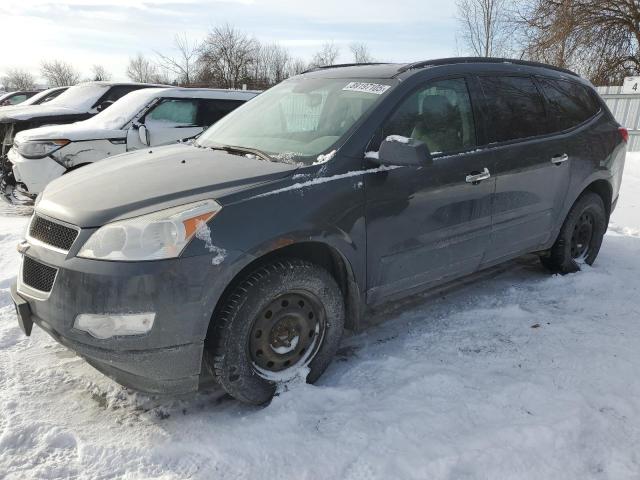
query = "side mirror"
{"x": 104, "y": 105}
{"x": 143, "y": 133}
{"x": 403, "y": 151}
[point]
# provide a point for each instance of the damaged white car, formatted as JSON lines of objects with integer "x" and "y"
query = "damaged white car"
{"x": 141, "y": 119}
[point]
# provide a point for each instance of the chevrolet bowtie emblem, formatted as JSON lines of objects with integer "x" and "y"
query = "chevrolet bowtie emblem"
{"x": 23, "y": 246}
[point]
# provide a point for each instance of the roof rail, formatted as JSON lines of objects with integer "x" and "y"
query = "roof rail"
{"x": 342, "y": 65}
{"x": 456, "y": 60}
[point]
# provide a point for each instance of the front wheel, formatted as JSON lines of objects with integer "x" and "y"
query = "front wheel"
{"x": 580, "y": 237}
{"x": 283, "y": 321}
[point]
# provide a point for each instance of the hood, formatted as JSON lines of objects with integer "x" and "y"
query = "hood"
{"x": 74, "y": 132}
{"x": 12, "y": 108}
{"x": 28, "y": 112}
{"x": 145, "y": 181}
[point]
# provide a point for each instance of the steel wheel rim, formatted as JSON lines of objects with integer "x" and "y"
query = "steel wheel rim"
{"x": 582, "y": 236}
{"x": 286, "y": 334}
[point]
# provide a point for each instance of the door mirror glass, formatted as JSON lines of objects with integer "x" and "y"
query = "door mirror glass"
{"x": 143, "y": 133}
{"x": 404, "y": 151}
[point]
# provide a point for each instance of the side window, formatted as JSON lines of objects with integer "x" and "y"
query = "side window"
{"x": 18, "y": 99}
{"x": 213, "y": 110}
{"x": 50, "y": 97}
{"x": 116, "y": 92}
{"x": 439, "y": 114}
{"x": 514, "y": 107}
{"x": 570, "y": 104}
{"x": 173, "y": 113}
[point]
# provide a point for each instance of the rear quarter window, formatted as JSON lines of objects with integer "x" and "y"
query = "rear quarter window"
{"x": 118, "y": 91}
{"x": 514, "y": 107}
{"x": 569, "y": 103}
{"x": 212, "y": 110}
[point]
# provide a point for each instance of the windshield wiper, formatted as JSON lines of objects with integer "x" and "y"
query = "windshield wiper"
{"x": 243, "y": 150}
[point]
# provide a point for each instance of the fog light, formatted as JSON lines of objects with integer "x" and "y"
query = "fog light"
{"x": 111, "y": 325}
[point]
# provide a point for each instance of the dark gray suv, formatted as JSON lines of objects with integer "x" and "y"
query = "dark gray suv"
{"x": 245, "y": 254}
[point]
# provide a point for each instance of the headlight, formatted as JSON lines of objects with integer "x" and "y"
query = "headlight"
{"x": 155, "y": 236}
{"x": 39, "y": 148}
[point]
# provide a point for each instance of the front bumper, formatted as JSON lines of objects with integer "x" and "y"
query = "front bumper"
{"x": 182, "y": 292}
{"x": 169, "y": 370}
{"x": 34, "y": 174}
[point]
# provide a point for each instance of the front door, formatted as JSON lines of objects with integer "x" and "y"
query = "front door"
{"x": 430, "y": 224}
{"x": 167, "y": 122}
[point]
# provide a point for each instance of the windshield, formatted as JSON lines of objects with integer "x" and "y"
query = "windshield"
{"x": 34, "y": 99}
{"x": 80, "y": 97}
{"x": 123, "y": 110}
{"x": 299, "y": 119}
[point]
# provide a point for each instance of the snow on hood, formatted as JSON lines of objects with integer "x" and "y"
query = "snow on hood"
{"x": 28, "y": 112}
{"x": 148, "y": 180}
{"x": 74, "y": 132}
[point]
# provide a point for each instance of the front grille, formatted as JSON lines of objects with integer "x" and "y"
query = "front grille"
{"x": 37, "y": 275}
{"x": 52, "y": 233}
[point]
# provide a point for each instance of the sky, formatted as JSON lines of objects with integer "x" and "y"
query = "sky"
{"x": 87, "y": 32}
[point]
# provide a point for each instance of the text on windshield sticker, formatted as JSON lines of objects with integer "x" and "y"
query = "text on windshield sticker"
{"x": 374, "y": 88}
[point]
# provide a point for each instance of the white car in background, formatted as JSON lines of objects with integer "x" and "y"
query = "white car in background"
{"x": 144, "y": 118}
{"x": 38, "y": 99}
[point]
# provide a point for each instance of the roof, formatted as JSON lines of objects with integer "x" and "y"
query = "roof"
{"x": 180, "y": 92}
{"x": 393, "y": 70}
{"x": 113, "y": 84}
{"x": 366, "y": 70}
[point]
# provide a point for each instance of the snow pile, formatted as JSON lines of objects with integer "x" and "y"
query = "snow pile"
{"x": 317, "y": 181}
{"x": 203, "y": 232}
{"x": 325, "y": 157}
{"x": 519, "y": 376}
{"x": 397, "y": 138}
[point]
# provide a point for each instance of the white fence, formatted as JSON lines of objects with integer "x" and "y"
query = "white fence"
{"x": 626, "y": 108}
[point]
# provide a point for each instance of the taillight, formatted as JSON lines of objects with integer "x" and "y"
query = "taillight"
{"x": 624, "y": 133}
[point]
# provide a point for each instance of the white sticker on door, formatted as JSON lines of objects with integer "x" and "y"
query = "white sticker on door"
{"x": 374, "y": 88}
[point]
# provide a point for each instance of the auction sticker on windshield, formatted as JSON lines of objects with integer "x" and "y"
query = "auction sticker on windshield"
{"x": 375, "y": 88}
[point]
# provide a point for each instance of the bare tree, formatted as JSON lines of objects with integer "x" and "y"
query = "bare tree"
{"x": 184, "y": 66}
{"x": 142, "y": 70}
{"x": 598, "y": 38}
{"x": 271, "y": 64}
{"x": 227, "y": 56}
{"x": 547, "y": 32}
{"x": 16, "y": 79}
{"x": 297, "y": 66}
{"x": 360, "y": 52}
{"x": 484, "y": 26}
{"x": 327, "y": 55}
{"x": 99, "y": 73}
{"x": 59, "y": 73}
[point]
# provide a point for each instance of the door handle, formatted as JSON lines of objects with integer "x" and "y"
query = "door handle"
{"x": 478, "y": 177}
{"x": 558, "y": 159}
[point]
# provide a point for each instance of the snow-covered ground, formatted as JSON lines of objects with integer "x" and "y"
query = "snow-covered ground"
{"x": 522, "y": 375}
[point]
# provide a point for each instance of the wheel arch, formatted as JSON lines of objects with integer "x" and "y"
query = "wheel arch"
{"x": 316, "y": 252}
{"x": 604, "y": 189}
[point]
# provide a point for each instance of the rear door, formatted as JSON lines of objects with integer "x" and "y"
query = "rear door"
{"x": 531, "y": 167}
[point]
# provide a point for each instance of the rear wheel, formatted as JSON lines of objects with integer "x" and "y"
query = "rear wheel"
{"x": 581, "y": 236}
{"x": 284, "y": 318}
